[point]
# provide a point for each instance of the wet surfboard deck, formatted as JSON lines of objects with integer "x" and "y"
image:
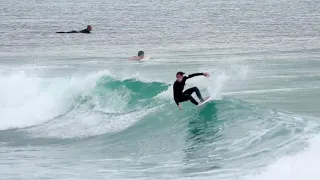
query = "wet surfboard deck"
{"x": 207, "y": 99}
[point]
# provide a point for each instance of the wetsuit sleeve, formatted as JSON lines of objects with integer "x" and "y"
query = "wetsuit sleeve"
{"x": 193, "y": 75}
{"x": 72, "y": 31}
{"x": 85, "y": 31}
{"x": 176, "y": 100}
{"x": 174, "y": 94}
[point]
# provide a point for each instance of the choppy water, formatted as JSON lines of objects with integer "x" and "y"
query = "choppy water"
{"x": 72, "y": 107}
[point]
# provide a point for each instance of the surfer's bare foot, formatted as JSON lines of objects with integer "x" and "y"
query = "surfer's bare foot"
{"x": 201, "y": 100}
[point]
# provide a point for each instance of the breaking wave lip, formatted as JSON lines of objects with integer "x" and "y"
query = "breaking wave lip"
{"x": 30, "y": 100}
{"x": 81, "y": 104}
{"x": 42, "y": 99}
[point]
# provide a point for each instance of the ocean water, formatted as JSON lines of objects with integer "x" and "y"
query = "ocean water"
{"x": 72, "y": 107}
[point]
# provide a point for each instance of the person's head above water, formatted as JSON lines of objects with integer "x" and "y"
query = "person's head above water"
{"x": 141, "y": 54}
{"x": 89, "y": 28}
{"x": 179, "y": 76}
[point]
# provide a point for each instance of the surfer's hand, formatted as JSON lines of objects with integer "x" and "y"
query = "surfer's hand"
{"x": 206, "y": 74}
{"x": 179, "y": 106}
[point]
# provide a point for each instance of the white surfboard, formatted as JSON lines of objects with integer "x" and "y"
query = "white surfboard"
{"x": 207, "y": 99}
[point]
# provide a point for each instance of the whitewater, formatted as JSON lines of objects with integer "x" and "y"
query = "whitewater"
{"x": 73, "y": 107}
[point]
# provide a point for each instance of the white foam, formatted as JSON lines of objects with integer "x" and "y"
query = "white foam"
{"x": 29, "y": 100}
{"x": 261, "y": 91}
{"x": 304, "y": 165}
{"x": 84, "y": 124}
{"x": 221, "y": 78}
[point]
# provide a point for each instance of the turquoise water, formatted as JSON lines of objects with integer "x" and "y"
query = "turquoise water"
{"x": 73, "y": 107}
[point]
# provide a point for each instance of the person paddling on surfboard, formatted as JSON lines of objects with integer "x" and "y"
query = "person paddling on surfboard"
{"x": 178, "y": 86}
{"x": 139, "y": 57}
{"x": 86, "y": 31}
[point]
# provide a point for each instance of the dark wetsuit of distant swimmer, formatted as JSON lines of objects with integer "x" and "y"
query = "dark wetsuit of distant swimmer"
{"x": 87, "y": 30}
{"x": 178, "y": 86}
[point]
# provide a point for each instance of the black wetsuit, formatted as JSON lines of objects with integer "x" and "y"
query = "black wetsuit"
{"x": 180, "y": 96}
{"x": 82, "y": 31}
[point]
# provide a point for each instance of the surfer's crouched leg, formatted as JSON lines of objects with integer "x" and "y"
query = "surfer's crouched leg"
{"x": 187, "y": 97}
{"x": 194, "y": 89}
{"x": 193, "y": 100}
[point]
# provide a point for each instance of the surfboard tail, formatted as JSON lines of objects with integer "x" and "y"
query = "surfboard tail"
{"x": 207, "y": 99}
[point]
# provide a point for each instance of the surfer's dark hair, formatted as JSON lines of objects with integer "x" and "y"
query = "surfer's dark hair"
{"x": 140, "y": 53}
{"x": 180, "y": 73}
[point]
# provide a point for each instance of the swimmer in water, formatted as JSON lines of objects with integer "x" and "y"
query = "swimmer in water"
{"x": 139, "y": 57}
{"x": 87, "y": 30}
{"x": 178, "y": 86}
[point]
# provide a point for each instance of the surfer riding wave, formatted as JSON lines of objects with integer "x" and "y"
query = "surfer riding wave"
{"x": 178, "y": 86}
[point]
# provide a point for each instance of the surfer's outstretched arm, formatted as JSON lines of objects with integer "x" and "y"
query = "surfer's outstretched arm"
{"x": 197, "y": 74}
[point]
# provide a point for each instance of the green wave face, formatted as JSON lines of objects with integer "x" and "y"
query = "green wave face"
{"x": 134, "y": 90}
{"x": 121, "y": 96}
